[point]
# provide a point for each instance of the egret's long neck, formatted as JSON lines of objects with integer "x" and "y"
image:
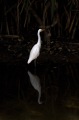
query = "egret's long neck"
{"x": 39, "y": 38}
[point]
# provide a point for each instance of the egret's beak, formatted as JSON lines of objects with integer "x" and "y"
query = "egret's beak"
{"x": 43, "y": 29}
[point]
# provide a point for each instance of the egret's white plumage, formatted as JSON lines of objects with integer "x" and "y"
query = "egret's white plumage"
{"x": 35, "y": 51}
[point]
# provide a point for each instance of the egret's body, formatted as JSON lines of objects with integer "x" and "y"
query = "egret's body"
{"x": 35, "y": 51}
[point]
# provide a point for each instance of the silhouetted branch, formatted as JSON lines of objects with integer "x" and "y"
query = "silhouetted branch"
{"x": 36, "y": 16}
{"x": 9, "y": 36}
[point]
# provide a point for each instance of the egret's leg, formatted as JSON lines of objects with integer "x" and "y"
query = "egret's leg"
{"x": 35, "y": 65}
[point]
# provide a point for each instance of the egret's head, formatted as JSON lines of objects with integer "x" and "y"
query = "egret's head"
{"x": 40, "y": 30}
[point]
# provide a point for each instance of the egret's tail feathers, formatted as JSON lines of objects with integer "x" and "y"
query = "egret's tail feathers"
{"x": 29, "y": 61}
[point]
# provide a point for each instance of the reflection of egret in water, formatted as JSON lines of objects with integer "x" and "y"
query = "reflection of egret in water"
{"x": 35, "y": 81}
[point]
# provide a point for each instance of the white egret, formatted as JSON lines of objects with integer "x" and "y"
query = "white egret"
{"x": 35, "y": 51}
{"x": 35, "y": 81}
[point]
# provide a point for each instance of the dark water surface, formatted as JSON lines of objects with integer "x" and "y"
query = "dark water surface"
{"x": 49, "y": 92}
